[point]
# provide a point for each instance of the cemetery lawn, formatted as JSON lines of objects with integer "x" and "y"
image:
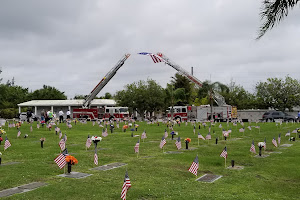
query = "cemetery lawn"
{"x": 154, "y": 174}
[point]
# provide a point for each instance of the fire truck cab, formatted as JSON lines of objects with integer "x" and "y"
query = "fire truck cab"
{"x": 114, "y": 113}
{"x": 179, "y": 113}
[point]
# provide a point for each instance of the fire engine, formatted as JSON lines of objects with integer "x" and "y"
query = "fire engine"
{"x": 106, "y": 113}
{"x": 179, "y": 112}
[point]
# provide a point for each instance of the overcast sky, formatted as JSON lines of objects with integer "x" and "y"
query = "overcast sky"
{"x": 72, "y": 44}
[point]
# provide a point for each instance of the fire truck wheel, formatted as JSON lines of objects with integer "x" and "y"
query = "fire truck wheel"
{"x": 111, "y": 118}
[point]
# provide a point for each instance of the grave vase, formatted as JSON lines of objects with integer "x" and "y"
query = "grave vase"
{"x": 186, "y": 144}
{"x": 260, "y": 147}
{"x": 42, "y": 144}
{"x": 69, "y": 167}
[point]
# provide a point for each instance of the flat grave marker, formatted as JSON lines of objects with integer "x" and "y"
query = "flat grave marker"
{"x": 262, "y": 156}
{"x": 173, "y": 152}
{"x": 21, "y": 189}
{"x": 109, "y": 166}
{"x": 76, "y": 175}
{"x": 286, "y": 145}
{"x": 9, "y": 163}
{"x": 236, "y": 167}
{"x": 209, "y": 178}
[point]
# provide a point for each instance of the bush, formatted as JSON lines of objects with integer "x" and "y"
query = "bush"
{"x": 9, "y": 113}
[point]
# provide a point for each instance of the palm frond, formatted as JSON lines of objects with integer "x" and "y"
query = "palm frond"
{"x": 272, "y": 12}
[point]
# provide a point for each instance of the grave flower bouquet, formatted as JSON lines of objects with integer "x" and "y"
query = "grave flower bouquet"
{"x": 261, "y": 144}
{"x": 2, "y": 131}
{"x": 71, "y": 159}
{"x": 96, "y": 139}
{"x": 187, "y": 140}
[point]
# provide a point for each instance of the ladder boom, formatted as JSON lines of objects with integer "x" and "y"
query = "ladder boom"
{"x": 104, "y": 81}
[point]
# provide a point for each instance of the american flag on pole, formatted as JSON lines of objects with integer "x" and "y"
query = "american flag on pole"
{"x": 6, "y": 144}
{"x": 229, "y": 131}
{"x": 208, "y": 136}
{"x": 31, "y": 129}
{"x": 104, "y": 132}
{"x": 265, "y": 145}
{"x": 220, "y": 126}
{"x": 126, "y": 186}
{"x": 60, "y": 160}
{"x": 279, "y": 138}
{"x": 162, "y": 142}
{"x": 194, "y": 166}
{"x": 274, "y": 142}
{"x": 178, "y": 143}
{"x": 19, "y": 133}
{"x": 200, "y": 136}
{"x": 224, "y": 153}
{"x": 144, "y": 136}
{"x": 88, "y": 142}
{"x": 154, "y": 57}
{"x": 294, "y": 131}
{"x": 288, "y": 133}
{"x": 96, "y": 157}
{"x": 62, "y": 144}
{"x": 60, "y": 134}
{"x": 38, "y": 126}
{"x": 242, "y": 130}
{"x": 65, "y": 137}
{"x": 194, "y": 129}
{"x": 252, "y": 148}
{"x": 166, "y": 134}
{"x": 249, "y": 127}
{"x": 137, "y": 147}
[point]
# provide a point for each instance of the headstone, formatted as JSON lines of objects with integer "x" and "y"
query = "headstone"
{"x": 190, "y": 149}
{"x": 21, "y": 189}
{"x": 109, "y": 166}
{"x": 76, "y": 175}
{"x": 209, "y": 178}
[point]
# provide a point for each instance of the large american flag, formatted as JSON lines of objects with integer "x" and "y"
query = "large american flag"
{"x": 265, "y": 146}
{"x": 144, "y": 136}
{"x": 279, "y": 138}
{"x": 6, "y": 144}
{"x": 126, "y": 186}
{"x": 62, "y": 144}
{"x": 96, "y": 157}
{"x": 137, "y": 146}
{"x": 200, "y": 136}
{"x": 274, "y": 142}
{"x": 60, "y": 160}
{"x": 208, "y": 136}
{"x": 252, "y": 148}
{"x": 194, "y": 166}
{"x": 162, "y": 142}
{"x": 154, "y": 57}
{"x": 88, "y": 142}
{"x": 224, "y": 153}
{"x": 178, "y": 143}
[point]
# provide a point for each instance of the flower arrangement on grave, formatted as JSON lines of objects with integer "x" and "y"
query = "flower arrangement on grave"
{"x": 187, "y": 141}
{"x": 125, "y": 127}
{"x": 26, "y": 136}
{"x": 225, "y": 134}
{"x": 260, "y": 146}
{"x": 2, "y": 131}
{"x": 18, "y": 124}
{"x": 173, "y": 133}
{"x": 96, "y": 139}
{"x": 42, "y": 142}
{"x": 71, "y": 160}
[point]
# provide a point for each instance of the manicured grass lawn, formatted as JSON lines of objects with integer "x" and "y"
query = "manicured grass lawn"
{"x": 154, "y": 174}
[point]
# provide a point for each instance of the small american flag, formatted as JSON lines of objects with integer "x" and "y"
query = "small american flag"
{"x": 62, "y": 144}
{"x": 229, "y": 131}
{"x": 288, "y": 133}
{"x": 166, "y": 134}
{"x": 220, "y": 126}
{"x": 258, "y": 127}
{"x": 162, "y": 142}
{"x": 224, "y": 153}
{"x": 126, "y": 186}
{"x": 265, "y": 145}
{"x": 65, "y": 137}
{"x": 194, "y": 166}
{"x": 137, "y": 146}
{"x": 242, "y": 123}
{"x": 60, "y": 134}
{"x": 234, "y": 124}
{"x": 274, "y": 142}
{"x": 31, "y": 129}
{"x": 242, "y": 130}
{"x": 209, "y": 128}
{"x": 104, "y": 133}
{"x": 194, "y": 130}
{"x": 60, "y": 160}
{"x": 208, "y": 136}
{"x": 88, "y": 142}
{"x": 178, "y": 143}
{"x": 279, "y": 138}
{"x": 19, "y": 133}
{"x": 38, "y": 126}
{"x": 294, "y": 131}
{"x": 96, "y": 157}
{"x": 93, "y": 123}
{"x": 144, "y": 136}
{"x": 252, "y": 148}
{"x": 249, "y": 127}
{"x": 6, "y": 144}
{"x": 200, "y": 136}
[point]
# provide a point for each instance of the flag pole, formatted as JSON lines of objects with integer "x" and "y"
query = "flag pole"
{"x": 198, "y": 141}
{"x": 225, "y": 162}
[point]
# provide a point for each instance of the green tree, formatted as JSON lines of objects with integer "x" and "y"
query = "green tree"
{"x": 182, "y": 88}
{"x": 47, "y": 93}
{"x": 10, "y": 96}
{"x": 273, "y": 11}
{"x": 279, "y": 94}
{"x": 142, "y": 96}
{"x": 107, "y": 95}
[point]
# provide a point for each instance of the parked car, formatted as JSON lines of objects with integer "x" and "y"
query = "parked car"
{"x": 23, "y": 116}
{"x": 272, "y": 115}
{"x": 289, "y": 118}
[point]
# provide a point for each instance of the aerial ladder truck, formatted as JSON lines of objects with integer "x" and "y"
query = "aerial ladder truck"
{"x": 94, "y": 113}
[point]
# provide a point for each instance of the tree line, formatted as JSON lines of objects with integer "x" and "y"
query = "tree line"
{"x": 149, "y": 96}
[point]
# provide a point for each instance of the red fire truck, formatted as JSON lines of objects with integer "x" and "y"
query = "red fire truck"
{"x": 178, "y": 112}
